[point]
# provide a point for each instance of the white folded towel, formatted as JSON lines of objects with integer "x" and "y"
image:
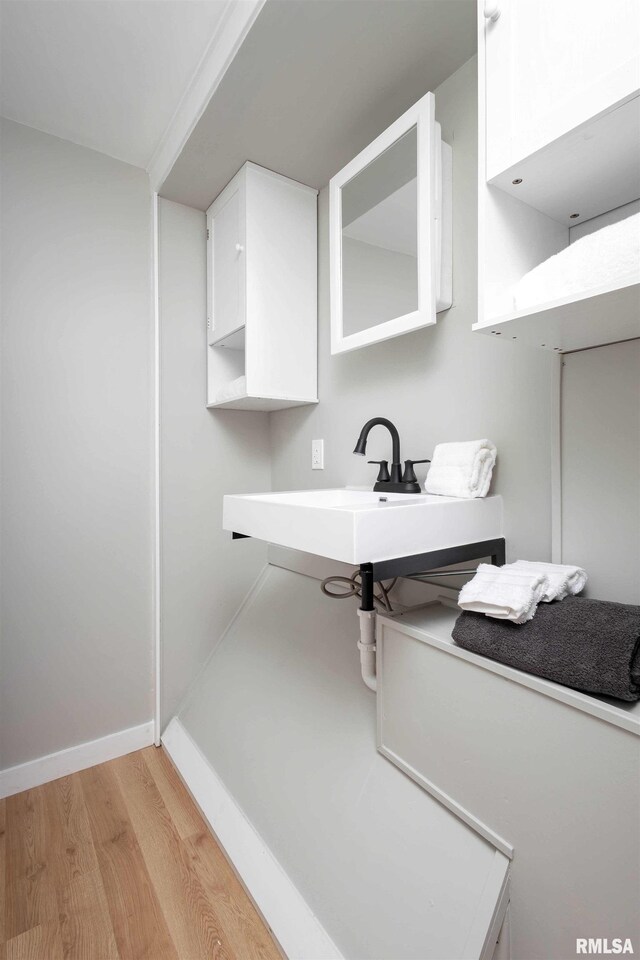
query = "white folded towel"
{"x": 610, "y": 255}
{"x": 461, "y": 469}
{"x": 503, "y": 593}
{"x": 563, "y": 579}
{"x": 231, "y": 391}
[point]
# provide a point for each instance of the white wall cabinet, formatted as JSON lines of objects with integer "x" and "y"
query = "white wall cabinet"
{"x": 551, "y": 66}
{"x": 262, "y": 293}
{"x": 559, "y": 127}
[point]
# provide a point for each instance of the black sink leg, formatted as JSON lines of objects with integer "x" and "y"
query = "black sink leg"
{"x": 366, "y": 580}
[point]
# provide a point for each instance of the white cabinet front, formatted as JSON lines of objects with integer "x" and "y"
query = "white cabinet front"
{"x": 550, "y": 66}
{"x": 227, "y": 300}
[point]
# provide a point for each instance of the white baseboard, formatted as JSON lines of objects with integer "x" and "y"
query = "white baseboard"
{"x": 61, "y": 764}
{"x": 294, "y": 925}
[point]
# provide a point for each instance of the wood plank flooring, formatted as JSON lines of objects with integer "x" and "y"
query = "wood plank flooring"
{"x": 116, "y": 863}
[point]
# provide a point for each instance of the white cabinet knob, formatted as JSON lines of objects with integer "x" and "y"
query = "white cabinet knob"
{"x": 491, "y": 10}
{"x": 239, "y": 248}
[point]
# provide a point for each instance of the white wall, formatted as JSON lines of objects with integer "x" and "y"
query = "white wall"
{"x": 205, "y": 454}
{"x": 442, "y": 383}
{"x": 77, "y": 430}
{"x": 600, "y": 468}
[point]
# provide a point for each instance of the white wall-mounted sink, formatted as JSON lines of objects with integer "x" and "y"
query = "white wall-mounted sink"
{"x": 359, "y": 526}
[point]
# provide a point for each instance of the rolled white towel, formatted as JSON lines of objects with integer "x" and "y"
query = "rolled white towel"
{"x": 610, "y": 255}
{"x": 503, "y": 593}
{"x": 563, "y": 578}
{"x": 461, "y": 469}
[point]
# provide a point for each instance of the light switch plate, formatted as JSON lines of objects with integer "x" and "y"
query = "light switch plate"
{"x": 317, "y": 454}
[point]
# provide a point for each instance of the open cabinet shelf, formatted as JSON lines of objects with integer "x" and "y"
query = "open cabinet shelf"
{"x": 237, "y": 340}
{"x": 589, "y": 170}
{"x": 595, "y": 317}
{"x": 580, "y": 176}
{"x": 246, "y": 402}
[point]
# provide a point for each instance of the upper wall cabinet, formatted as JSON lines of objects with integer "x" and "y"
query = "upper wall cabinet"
{"x": 559, "y": 128}
{"x": 390, "y": 233}
{"x": 552, "y": 65}
{"x": 262, "y": 293}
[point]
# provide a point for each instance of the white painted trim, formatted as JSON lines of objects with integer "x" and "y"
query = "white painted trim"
{"x": 157, "y": 515}
{"x": 556, "y": 465}
{"x": 447, "y": 801}
{"x": 61, "y": 764}
{"x": 236, "y": 21}
{"x": 482, "y": 163}
{"x": 293, "y": 923}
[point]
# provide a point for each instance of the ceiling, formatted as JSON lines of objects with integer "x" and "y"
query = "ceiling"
{"x": 106, "y": 74}
{"x": 314, "y": 82}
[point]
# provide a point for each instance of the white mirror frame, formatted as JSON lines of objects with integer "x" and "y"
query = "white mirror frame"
{"x": 421, "y": 116}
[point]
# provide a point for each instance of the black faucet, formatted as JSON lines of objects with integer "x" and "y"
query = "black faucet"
{"x": 398, "y": 480}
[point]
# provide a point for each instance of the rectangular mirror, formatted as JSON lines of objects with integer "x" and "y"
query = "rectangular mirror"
{"x": 384, "y": 234}
{"x": 380, "y": 238}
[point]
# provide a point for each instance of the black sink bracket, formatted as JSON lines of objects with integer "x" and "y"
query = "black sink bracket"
{"x": 371, "y": 573}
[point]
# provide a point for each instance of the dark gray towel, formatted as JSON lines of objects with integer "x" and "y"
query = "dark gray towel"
{"x": 592, "y": 645}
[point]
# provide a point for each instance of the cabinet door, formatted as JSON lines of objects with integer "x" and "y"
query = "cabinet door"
{"x": 227, "y": 266}
{"x": 550, "y": 66}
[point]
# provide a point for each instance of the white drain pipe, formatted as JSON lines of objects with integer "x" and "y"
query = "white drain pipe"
{"x": 367, "y": 647}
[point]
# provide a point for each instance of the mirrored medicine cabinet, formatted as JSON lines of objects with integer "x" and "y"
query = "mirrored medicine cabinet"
{"x": 390, "y": 233}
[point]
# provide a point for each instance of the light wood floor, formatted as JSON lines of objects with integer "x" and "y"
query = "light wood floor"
{"x": 116, "y": 863}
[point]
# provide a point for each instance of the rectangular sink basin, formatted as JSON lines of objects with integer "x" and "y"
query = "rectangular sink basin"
{"x": 359, "y": 526}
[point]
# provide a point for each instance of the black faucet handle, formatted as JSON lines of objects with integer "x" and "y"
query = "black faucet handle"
{"x": 383, "y": 472}
{"x": 409, "y": 475}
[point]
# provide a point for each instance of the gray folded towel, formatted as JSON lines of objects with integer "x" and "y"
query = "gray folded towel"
{"x": 591, "y": 645}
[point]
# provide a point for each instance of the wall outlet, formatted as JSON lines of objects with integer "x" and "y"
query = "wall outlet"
{"x": 317, "y": 454}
